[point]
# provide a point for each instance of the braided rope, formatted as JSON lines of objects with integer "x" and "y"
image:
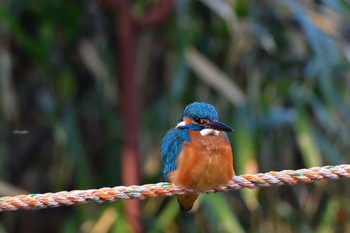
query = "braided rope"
{"x": 64, "y": 198}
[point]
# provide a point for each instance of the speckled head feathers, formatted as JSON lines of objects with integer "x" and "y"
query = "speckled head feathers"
{"x": 201, "y": 110}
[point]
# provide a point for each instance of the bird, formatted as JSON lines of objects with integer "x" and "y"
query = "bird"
{"x": 197, "y": 153}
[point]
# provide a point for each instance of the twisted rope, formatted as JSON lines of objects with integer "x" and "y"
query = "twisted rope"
{"x": 64, "y": 198}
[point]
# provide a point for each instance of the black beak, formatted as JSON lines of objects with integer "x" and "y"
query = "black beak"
{"x": 218, "y": 126}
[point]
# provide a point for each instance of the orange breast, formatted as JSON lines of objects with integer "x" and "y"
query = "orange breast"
{"x": 204, "y": 162}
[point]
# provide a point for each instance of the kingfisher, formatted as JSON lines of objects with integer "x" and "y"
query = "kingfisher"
{"x": 197, "y": 154}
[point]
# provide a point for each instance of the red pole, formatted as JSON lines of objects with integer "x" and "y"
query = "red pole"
{"x": 129, "y": 98}
{"x": 129, "y": 109}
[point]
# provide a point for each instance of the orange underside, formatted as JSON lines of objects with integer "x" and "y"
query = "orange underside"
{"x": 206, "y": 161}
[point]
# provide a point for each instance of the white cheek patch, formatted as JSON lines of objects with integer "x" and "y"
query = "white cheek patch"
{"x": 206, "y": 132}
{"x": 182, "y": 123}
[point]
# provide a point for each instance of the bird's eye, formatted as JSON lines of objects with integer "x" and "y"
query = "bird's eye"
{"x": 200, "y": 120}
{"x": 197, "y": 120}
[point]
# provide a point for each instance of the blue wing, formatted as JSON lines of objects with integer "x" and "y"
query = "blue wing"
{"x": 171, "y": 148}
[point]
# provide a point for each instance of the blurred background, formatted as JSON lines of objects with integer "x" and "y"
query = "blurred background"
{"x": 89, "y": 88}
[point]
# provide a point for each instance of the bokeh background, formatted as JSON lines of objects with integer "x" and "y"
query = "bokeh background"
{"x": 89, "y": 88}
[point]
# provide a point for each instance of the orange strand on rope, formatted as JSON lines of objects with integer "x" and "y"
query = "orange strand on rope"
{"x": 75, "y": 197}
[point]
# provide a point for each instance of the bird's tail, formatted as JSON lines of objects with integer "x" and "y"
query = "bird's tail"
{"x": 186, "y": 201}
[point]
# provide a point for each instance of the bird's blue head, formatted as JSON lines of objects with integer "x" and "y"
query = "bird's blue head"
{"x": 200, "y": 116}
{"x": 201, "y": 110}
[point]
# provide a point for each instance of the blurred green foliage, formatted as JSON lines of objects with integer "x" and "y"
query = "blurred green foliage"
{"x": 289, "y": 60}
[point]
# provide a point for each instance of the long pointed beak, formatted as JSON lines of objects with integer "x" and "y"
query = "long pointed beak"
{"x": 218, "y": 126}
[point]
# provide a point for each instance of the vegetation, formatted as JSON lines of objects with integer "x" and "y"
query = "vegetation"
{"x": 277, "y": 72}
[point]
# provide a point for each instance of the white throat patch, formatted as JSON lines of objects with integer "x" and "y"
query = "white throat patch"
{"x": 182, "y": 123}
{"x": 203, "y": 132}
{"x": 206, "y": 132}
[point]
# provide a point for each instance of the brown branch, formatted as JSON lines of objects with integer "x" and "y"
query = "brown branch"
{"x": 156, "y": 16}
{"x": 129, "y": 99}
{"x": 129, "y": 104}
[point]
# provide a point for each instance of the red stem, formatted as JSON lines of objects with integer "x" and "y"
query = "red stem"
{"x": 156, "y": 16}
{"x": 125, "y": 31}
{"x": 129, "y": 109}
